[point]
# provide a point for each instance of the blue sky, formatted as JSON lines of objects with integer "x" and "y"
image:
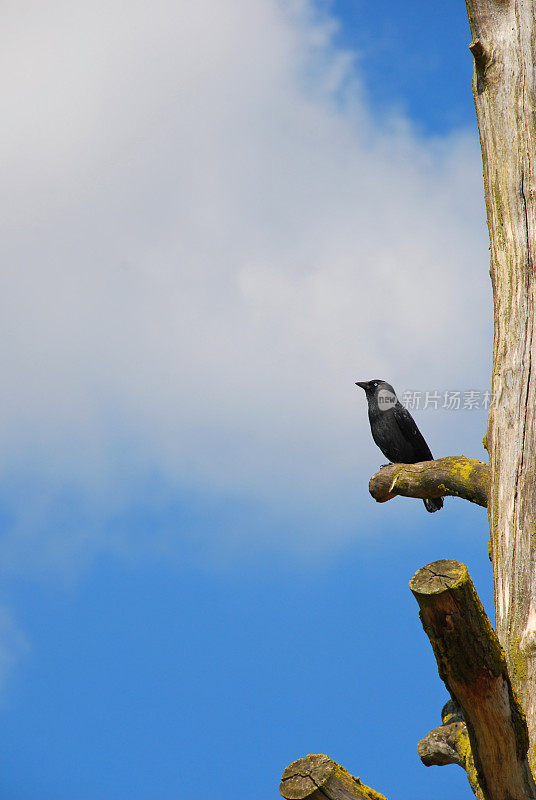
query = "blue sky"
{"x": 217, "y": 218}
{"x": 414, "y": 58}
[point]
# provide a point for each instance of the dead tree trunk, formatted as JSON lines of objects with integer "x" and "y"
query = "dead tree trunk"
{"x": 503, "y": 47}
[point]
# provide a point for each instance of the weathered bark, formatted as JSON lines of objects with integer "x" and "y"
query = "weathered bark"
{"x": 504, "y": 44}
{"x": 319, "y": 777}
{"x": 449, "y": 744}
{"x": 456, "y": 476}
{"x": 472, "y": 665}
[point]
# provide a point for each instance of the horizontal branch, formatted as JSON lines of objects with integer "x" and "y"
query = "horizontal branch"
{"x": 449, "y": 744}
{"x": 318, "y": 777}
{"x": 472, "y": 665}
{"x": 456, "y": 476}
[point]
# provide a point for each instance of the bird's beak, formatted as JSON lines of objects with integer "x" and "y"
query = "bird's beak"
{"x": 363, "y": 384}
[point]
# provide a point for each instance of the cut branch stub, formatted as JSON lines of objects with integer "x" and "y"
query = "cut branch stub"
{"x": 480, "y": 54}
{"x": 449, "y": 744}
{"x": 442, "y": 745}
{"x": 318, "y": 777}
{"x": 455, "y": 476}
{"x": 472, "y": 665}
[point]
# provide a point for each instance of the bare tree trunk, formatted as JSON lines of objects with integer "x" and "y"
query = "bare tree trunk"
{"x": 503, "y": 47}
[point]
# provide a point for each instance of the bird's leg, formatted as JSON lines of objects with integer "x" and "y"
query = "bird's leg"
{"x": 390, "y": 464}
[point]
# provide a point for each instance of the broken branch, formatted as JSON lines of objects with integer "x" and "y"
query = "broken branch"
{"x": 449, "y": 744}
{"x": 472, "y": 664}
{"x": 455, "y": 476}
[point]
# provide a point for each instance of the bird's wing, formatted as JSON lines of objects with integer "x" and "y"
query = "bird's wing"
{"x": 411, "y": 433}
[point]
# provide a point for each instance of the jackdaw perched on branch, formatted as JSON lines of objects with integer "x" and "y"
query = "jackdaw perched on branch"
{"x": 395, "y": 431}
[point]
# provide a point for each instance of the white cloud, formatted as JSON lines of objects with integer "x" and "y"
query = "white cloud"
{"x": 208, "y": 237}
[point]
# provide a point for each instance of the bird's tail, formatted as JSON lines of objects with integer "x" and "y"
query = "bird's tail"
{"x": 433, "y": 504}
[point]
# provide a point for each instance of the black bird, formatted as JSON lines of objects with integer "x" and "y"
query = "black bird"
{"x": 395, "y": 431}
